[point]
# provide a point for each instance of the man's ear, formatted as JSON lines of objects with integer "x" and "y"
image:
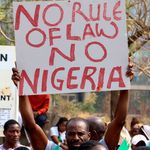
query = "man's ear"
{"x": 89, "y": 134}
{"x": 95, "y": 134}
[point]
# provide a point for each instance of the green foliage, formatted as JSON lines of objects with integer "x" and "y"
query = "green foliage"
{"x": 74, "y": 109}
{"x": 3, "y": 41}
{"x": 89, "y": 103}
{"x": 65, "y": 107}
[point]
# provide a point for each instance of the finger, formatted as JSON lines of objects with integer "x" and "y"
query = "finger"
{"x": 15, "y": 70}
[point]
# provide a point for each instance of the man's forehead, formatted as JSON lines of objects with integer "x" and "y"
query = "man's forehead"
{"x": 77, "y": 123}
{"x": 14, "y": 126}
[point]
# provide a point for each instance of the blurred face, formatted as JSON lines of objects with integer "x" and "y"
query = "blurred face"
{"x": 135, "y": 129}
{"x": 76, "y": 134}
{"x": 62, "y": 126}
{"x": 98, "y": 147}
{"x": 12, "y": 134}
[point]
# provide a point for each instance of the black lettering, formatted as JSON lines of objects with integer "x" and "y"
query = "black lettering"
{"x": 4, "y": 97}
{"x": 3, "y": 57}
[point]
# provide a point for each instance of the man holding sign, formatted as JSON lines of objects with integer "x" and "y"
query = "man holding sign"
{"x": 74, "y": 45}
{"x": 40, "y": 141}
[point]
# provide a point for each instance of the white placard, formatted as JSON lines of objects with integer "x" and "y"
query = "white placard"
{"x": 8, "y": 92}
{"x": 76, "y": 46}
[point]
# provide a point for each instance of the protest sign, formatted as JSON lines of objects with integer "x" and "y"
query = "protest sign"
{"x": 66, "y": 47}
{"x": 8, "y": 93}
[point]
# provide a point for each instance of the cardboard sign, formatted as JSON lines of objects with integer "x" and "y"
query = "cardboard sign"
{"x": 76, "y": 46}
{"x": 8, "y": 92}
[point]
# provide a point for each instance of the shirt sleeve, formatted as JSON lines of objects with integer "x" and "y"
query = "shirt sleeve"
{"x": 53, "y": 131}
{"x": 45, "y": 104}
{"x": 49, "y": 145}
{"x": 102, "y": 142}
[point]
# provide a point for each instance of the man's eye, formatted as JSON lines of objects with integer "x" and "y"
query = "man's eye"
{"x": 81, "y": 134}
{"x": 71, "y": 133}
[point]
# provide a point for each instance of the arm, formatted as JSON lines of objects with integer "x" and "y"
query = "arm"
{"x": 114, "y": 128}
{"x": 37, "y": 137}
{"x": 56, "y": 141}
{"x": 53, "y": 133}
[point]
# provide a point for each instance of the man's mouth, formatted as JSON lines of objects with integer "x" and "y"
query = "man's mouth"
{"x": 76, "y": 144}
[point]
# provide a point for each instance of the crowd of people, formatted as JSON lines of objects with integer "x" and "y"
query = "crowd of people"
{"x": 75, "y": 133}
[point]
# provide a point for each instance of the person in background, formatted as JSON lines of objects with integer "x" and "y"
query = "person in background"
{"x": 97, "y": 128}
{"x": 91, "y": 145}
{"x": 21, "y": 148}
{"x": 145, "y": 130}
{"x": 12, "y": 135}
{"x": 58, "y": 133}
{"x": 142, "y": 148}
{"x": 138, "y": 140}
{"x": 40, "y": 105}
{"x": 134, "y": 126}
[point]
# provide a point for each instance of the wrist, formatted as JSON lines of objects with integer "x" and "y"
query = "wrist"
{"x": 59, "y": 144}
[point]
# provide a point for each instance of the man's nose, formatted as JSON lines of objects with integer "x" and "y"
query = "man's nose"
{"x": 76, "y": 137}
{"x": 16, "y": 133}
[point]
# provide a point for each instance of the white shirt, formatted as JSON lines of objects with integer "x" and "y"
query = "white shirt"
{"x": 102, "y": 142}
{"x": 54, "y": 132}
{"x": 50, "y": 146}
{"x": 3, "y": 148}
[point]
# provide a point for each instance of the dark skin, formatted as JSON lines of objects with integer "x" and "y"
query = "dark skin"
{"x": 114, "y": 128}
{"x": 12, "y": 136}
{"x": 76, "y": 134}
{"x": 40, "y": 140}
{"x": 97, "y": 128}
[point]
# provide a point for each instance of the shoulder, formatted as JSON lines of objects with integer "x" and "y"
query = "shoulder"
{"x": 1, "y": 147}
{"x": 23, "y": 146}
{"x": 54, "y": 131}
{"x": 54, "y": 128}
{"x": 50, "y": 146}
{"x": 102, "y": 142}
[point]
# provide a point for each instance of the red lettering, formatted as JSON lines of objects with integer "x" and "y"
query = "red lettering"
{"x": 33, "y": 21}
{"x": 87, "y": 75}
{"x": 51, "y": 36}
{"x": 101, "y": 78}
{"x": 97, "y": 18}
{"x": 71, "y": 77}
{"x": 102, "y": 33}
{"x": 77, "y": 9}
{"x": 93, "y": 59}
{"x": 115, "y": 79}
{"x": 61, "y": 13}
{"x": 38, "y": 44}
{"x": 69, "y": 35}
{"x": 33, "y": 85}
{"x": 88, "y": 31}
{"x": 115, "y": 12}
{"x": 60, "y": 86}
{"x": 54, "y": 50}
{"x": 44, "y": 80}
{"x": 104, "y": 13}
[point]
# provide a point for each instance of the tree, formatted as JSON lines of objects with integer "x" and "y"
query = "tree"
{"x": 138, "y": 28}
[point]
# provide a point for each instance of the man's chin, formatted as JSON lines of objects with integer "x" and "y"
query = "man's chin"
{"x": 74, "y": 147}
